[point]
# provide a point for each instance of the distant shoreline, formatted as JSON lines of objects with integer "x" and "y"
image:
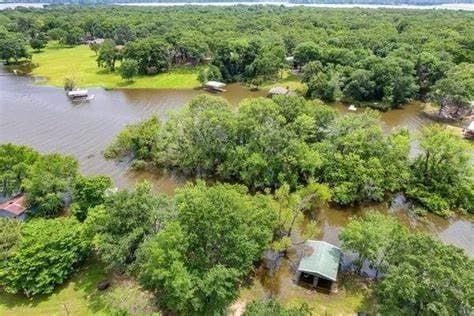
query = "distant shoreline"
{"x": 447, "y": 6}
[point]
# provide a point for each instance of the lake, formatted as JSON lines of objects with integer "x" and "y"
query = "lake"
{"x": 45, "y": 119}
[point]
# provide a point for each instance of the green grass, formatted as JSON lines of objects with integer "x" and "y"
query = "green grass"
{"x": 78, "y": 296}
{"x": 287, "y": 80}
{"x": 57, "y": 62}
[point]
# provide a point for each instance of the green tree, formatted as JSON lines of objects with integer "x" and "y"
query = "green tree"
{"x": 360, "y": 85}
{"x": 306, "y": 52}
{"x": 10, "y": 233}
{"x": 195, "y": 264}
{"x": 426, "y": 277}
{"x": 38, "y": 41}
{"x": 122, "y": 222}
{"x": 360, "y": 163}
{"x": 371, "y": 237}
{"x": 49, "y": 181}
{"x": 324, "y": 87}
{"x": 429, "y": 69}
{"x": 129, "y": 69}
{"x": 72, "y": 36}
{"x": 44, "y": 257}
{"x": 138, "y": 140}
{"x": 89, "y": 192}
{"x": 310, "y": 70}
{"x": 12, "y": 46}
{"x": 108, "y": 55}
{"x": 152, "y": 54}
{"x": 15, "y": 162}
{"x": 454, "y": 93}
{"x": 442, "y": 172}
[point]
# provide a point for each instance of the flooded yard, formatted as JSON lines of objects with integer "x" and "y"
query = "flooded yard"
{"x": 45, "y": 119}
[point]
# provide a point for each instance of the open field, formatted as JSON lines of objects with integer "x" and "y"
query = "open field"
{"x": 56, "y": 62}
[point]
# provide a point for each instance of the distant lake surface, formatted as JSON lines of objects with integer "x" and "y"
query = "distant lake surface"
{"x": 452, "y": 6}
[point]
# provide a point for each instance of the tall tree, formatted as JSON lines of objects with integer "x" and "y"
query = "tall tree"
{"x": 426, "y": 277}
{"x": 120, "y": 225}
{"x": 49, "y": 183}
{"x": 44, "y": 256}
{"x": 15, "y": 161}
{"x": 89, "y": 192}
{"x": 371, "y": 237}
{"x": 442, "y": 172}
{"x": 194, "y": 265}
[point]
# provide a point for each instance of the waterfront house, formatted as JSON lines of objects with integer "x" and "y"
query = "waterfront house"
{"x": 319, "y": 265}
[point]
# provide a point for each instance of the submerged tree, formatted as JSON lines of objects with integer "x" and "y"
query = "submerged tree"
{"x": 442, "y": 173}
{"x": 371, "y": 237}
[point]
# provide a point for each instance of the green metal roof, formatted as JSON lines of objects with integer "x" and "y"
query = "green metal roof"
{"x": 321, "y": 259}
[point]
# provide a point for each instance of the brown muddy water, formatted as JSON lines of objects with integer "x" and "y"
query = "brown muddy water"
{"x": 45, "y": 119}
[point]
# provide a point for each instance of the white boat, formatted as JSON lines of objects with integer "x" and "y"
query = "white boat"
{"x": 78, "y": 94}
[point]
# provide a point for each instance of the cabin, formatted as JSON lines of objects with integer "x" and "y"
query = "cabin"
{"x": 319, "y": 265}
{"x": 278, "y": 91}
{"x": 215, "y": 86}
{"x": 14, "y": 208}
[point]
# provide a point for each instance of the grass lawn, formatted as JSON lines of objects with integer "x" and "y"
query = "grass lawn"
{"x": 57, "y": 62}
{"x": 78, "y": 296}
{"x": 287, "y": 80}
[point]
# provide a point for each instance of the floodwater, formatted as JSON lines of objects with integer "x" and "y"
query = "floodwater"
{"x": 44, "y": 118}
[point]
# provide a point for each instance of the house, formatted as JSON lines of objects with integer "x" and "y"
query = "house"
{"x": 14, "y": 208}
{"x": 278, "y": 91}
{"x": 319, "y": 265}
{"x": 215, "y": 86}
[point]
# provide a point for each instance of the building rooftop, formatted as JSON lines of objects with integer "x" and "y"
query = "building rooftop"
{"x": 15, "y": 206}
{"x": 320, "y": 259}
{"x": 278, "y": 90}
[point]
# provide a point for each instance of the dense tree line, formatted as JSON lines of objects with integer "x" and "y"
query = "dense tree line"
{"x": 267, "y": 143}
{"x": 383, "y": 58}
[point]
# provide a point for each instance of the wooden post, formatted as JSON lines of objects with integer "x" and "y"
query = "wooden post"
{"x": 315, "y": 281}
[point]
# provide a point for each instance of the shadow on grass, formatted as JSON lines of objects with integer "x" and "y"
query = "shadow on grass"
{"x": 85, "y": 280}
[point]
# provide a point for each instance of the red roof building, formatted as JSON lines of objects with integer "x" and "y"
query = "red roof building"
{"x": 14, "y": 208}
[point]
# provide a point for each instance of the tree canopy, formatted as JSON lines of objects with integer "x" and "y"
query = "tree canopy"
{"x": 44, "y": 257}
{"x": 194, "y": 264}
